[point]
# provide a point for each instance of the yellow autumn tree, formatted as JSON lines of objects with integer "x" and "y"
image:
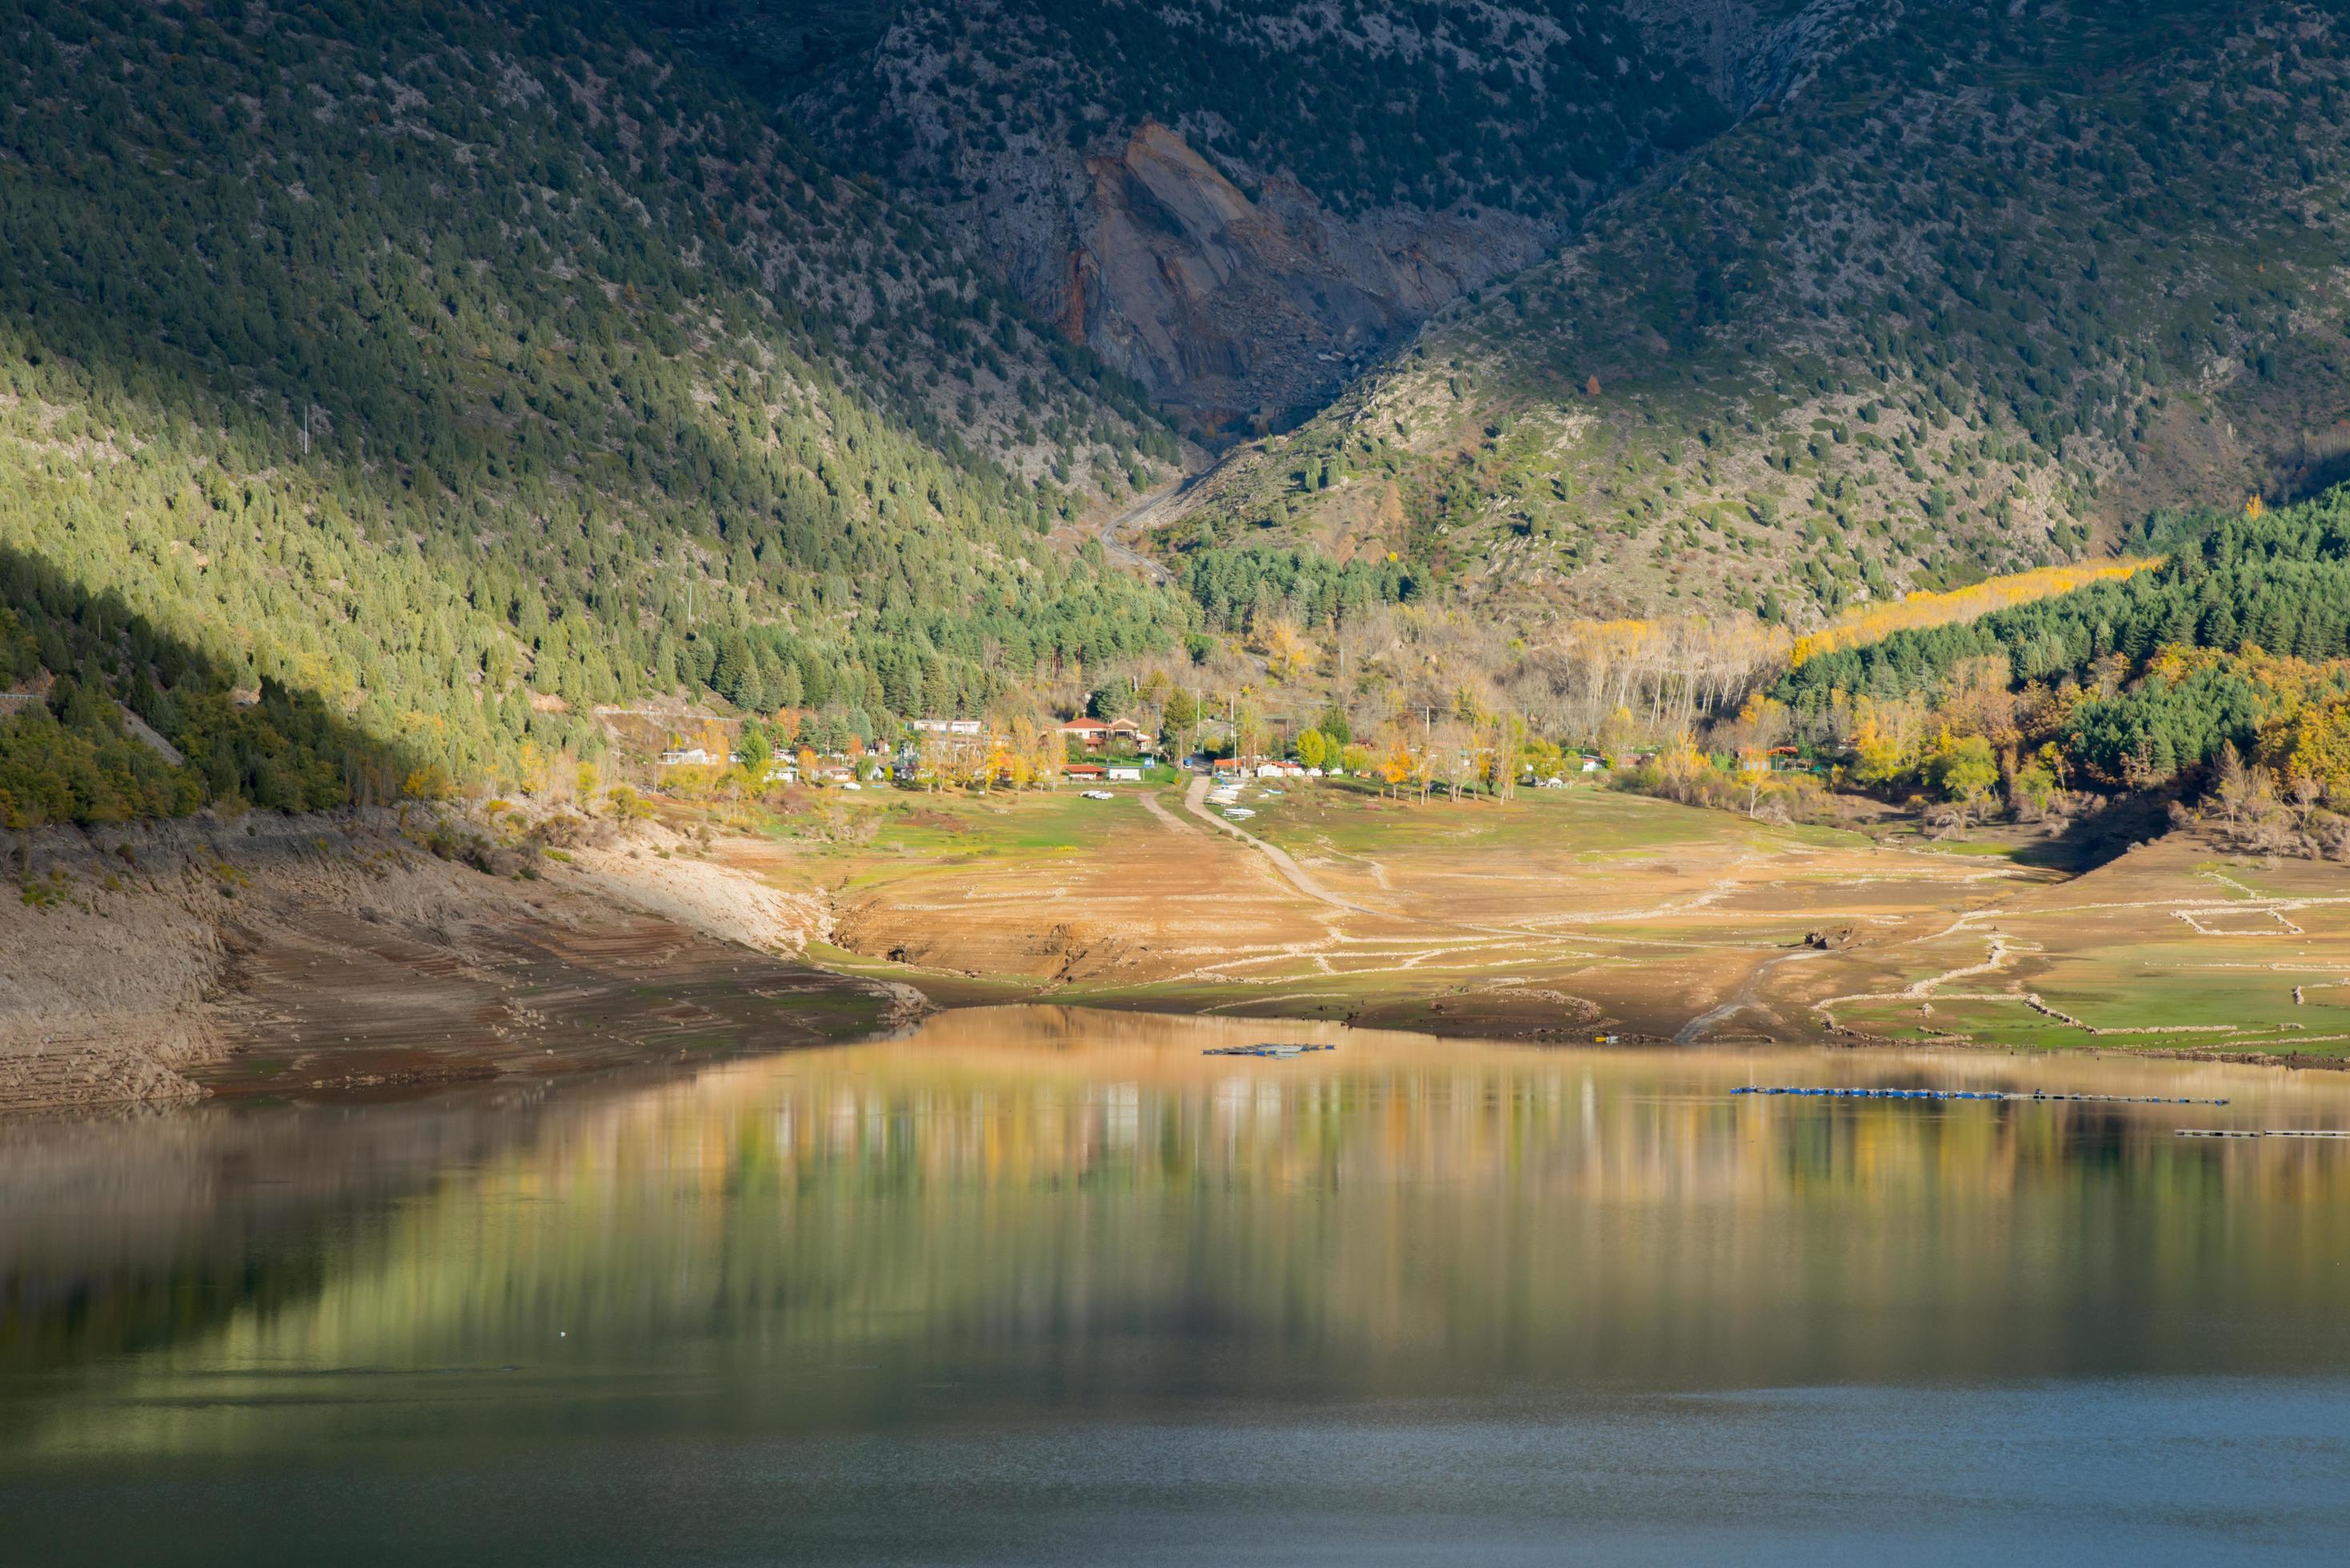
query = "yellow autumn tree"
{"x": 2311, "y": 751}
{"x": 1754, "y": 773}
{"x": 1885, "y": 740}
{"x": 1866, "y": 623}
{"x": 1395, "y": 761}
{"x": 1286, "y": 653}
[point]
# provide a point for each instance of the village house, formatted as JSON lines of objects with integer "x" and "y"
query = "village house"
{"x": 1097, "y": 733}
{"x": 946, "y": 726}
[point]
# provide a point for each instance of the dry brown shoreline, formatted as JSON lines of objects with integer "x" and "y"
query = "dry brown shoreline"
{"x": 335, "y": 955}
{"x": 387, "y": 954}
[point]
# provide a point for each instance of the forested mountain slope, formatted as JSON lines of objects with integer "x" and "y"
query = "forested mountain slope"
{"x": 456, "y": 367}
{"x": 2240, "y": 639}
{"x": 1239, "y": 202}
{"x": 1997, "y": 283}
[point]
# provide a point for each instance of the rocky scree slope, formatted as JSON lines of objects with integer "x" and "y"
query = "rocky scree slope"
{"x": 1239, "y": 205}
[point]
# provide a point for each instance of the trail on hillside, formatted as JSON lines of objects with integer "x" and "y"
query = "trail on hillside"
{"x": 1154, "y": 509}
{"x": 1142, "y": 516}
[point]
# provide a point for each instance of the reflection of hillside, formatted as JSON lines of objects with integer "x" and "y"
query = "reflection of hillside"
{"x": 125, "y": 1232}
{"x": 1028, "y": 1202}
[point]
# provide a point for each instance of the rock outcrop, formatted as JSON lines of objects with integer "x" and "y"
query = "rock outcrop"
{"x": 1751, "y": 53}
{"x": 1235, "y": 309}
{"x": 1244, "y": 209}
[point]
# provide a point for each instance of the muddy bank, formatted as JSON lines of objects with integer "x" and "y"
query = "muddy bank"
{"x": 326, "y": 955}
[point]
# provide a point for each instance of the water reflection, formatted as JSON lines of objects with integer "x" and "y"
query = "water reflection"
{"x": 1032, "y": 1212}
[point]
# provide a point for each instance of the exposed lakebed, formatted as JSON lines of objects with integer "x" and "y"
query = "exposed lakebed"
{"x": 1036, "y": 1283}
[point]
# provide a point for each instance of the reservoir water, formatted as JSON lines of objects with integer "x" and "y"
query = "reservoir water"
{"x": 1043, "y": 1285}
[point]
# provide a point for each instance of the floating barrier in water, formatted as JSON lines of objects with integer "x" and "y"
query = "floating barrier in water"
{"x": 1271, "y": 1048}
{"x": 2036, "y": 1095}
{"x": 2256, "y": 1132}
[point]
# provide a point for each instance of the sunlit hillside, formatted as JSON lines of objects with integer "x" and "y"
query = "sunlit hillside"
{"x": 1996, "y": 284}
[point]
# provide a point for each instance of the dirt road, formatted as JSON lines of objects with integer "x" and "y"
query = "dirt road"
{"x": 1195, "y": 802}
{"x": 1748, "y": 995}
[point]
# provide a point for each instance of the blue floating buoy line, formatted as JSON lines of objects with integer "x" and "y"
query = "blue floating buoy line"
{"x": 1271, "y": 1048}
{"x": 2038, "y": 1094}
{"x": 2260, "y": 1131}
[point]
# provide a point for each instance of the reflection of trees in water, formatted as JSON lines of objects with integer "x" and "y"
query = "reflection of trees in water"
{"x": 1107, "y": 1220}
{"x": 134, "y": 1230}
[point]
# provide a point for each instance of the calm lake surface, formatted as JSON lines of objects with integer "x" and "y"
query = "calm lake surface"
{"x": 1036, "y": 1284}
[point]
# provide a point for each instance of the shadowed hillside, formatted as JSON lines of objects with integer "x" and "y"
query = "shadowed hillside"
{"x": 468, "y": 367}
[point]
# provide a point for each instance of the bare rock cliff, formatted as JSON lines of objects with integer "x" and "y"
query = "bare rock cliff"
{"x": 1242, "y": 207}
{"x": 1236, "y": 309}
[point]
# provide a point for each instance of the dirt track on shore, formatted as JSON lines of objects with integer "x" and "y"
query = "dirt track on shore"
{"x": 1596, "y": 913}
{"x": 1195, "y": 801}
{"x": 337, "y": 956}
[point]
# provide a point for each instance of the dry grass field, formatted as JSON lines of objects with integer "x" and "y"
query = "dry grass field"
{"x": 1568, "y": 915}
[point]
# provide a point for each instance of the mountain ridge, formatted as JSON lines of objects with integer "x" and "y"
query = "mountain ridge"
{"x": 1982, "y": 297}
{"x": 381, "y": 392}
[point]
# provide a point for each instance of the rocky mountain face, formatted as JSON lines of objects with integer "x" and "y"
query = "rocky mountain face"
{"x": 1241, "y": 206}
{"x": 1233, "y": 310}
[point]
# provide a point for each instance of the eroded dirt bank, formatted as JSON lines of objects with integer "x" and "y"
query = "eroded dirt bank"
{"x": 334, "y": 954}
